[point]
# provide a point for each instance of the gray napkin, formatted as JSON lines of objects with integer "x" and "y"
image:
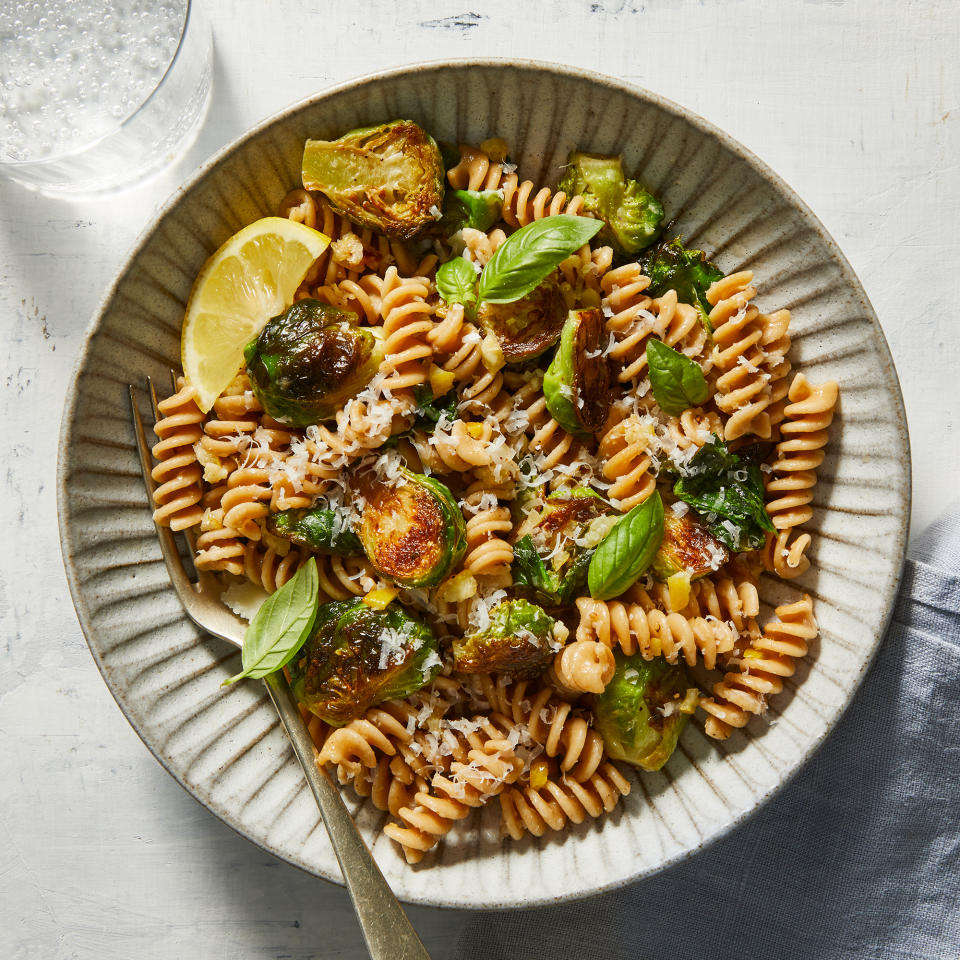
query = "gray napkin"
{"x": 858, "y": 857}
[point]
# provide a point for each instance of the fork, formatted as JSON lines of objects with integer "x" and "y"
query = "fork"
{"x": 387, "y": 931}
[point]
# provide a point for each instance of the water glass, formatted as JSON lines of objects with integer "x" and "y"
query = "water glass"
{"x": 99, "y": 94}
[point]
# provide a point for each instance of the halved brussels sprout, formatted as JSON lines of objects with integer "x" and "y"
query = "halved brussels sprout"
{"x": 519, "y": 639}
{"x": 478, "y": 209}
{"x": 411, "y": 529}
{"x": 576, "y": 386}
{"x": 357, "y": 657}
{"x": 528, "y": 326}
{"x": 566, "y": 532}
{"x": 305, "y": 362}
{"x": 687, "y": 547}
{"x": 643, "y": 709}
{"x": 632, "y": 215}
{"x": 388, "y": 178}
{"x": 316, "y": 528}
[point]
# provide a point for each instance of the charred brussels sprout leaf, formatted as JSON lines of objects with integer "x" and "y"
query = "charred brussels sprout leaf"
{"x": 430, "y": 409}
{"x": 316, "y": 528}
{"x": 578, "y": 518}
{"x": 727, "y": 490}
{"x": 687, "y": 547}
{"x": 576, "y": 386}
{"x": 530, "y": 571}
{"x": 527, "y": 327}
{"x": 478, "y": 209}
{"x": 305, "y": 362}
{"x": 670, "y": 267}
{"x": 627, "y": 550}
{"x": 457, "y": 281}
{"x": 631, "y": 214}
{"x": 357, "y": 657}
{"x": 411, "y": 529}
{"x": 678, "y": 382}
{"x": 643, "y": 710}
{"x": 518, "y": 639}
{"x": 388, "y": 178}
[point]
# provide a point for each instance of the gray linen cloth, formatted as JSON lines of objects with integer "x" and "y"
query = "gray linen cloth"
{"x": 858, "y": 856}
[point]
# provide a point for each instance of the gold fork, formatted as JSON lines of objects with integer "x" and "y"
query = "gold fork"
{"x": 388, "y": 933}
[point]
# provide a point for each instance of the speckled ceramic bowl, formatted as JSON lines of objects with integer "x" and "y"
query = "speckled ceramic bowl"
{"x": 225, "y": 745}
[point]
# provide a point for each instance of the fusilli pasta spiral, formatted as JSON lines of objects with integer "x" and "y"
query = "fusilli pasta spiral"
{"x": 750, "y": 356}
{"x": 794, "y": 475}
{"x": 550, "y": 722}
{"x": 768, "y": 659}
{"x": 177, "y": 472}
{"x": 644, "y": 629}
{"x": 559, "y": 801}
{"x": 584, "y": 666}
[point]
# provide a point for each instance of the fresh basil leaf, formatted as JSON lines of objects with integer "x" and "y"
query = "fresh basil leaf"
{"x": 478, "y": 209}
{"x": 429, "y": 409}
{"x": 457, "y": 281}
{"x": 727, "y": 490}
{"x": 627, "y": 550}
{"x": 678, "y": 382}
{"x": 281, "y": 625}
{"x": 530, "y": 254}
{"x": 671, "y": 267}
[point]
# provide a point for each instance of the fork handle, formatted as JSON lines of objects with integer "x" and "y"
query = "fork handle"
{"x": 388, "y": 933}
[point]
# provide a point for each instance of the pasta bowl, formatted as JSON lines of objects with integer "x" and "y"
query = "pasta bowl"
{"x": 225, "y": 746}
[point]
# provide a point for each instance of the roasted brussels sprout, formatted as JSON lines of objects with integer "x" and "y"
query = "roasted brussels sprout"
{"x": 566, "y": 530}
{"x": 687, "y": 547}
{"x": 316, "y": 528}
{"x": 305, "y": 362}
{"x": 478, "y": 209}
{"x": 576, "y": 386}
{"x": 357, "y": 657}
{"x": 411, "y": 528}
{"x": 519, "y": 639}
{"x": 528, "y": 326}
{"x": 632, "y": 216}
{"x": 388, "y": 178}
{"x": 643, "y": 709}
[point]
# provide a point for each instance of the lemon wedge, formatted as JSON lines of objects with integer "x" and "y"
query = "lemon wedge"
{"x": 250, "y": 279}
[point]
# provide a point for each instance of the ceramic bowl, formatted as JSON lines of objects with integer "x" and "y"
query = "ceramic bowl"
{"x": 225, "y": 745}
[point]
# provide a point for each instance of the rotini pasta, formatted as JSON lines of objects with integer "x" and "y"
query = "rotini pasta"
{"x": 484, "y": 774}
{"x": 626, "y": 462}
{"x": 750, "y": 355}
{"x": 584, "y": 666}
{"x": 177, "y": 472}
{"x": 794, "y": 475}
{"x": 643, "y": 628}
{"x": 407, "y": 322}
{"x": 558, "y": 802}
{"x": 764, "y": 664}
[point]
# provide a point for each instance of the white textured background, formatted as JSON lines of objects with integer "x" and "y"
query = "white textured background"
{"x": 855, "y": 104}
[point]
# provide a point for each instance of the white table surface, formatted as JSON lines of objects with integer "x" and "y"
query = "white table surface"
{"x": 855, "y": 104}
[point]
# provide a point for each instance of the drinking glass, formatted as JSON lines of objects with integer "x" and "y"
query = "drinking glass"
{"x": 98, "y": 94}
